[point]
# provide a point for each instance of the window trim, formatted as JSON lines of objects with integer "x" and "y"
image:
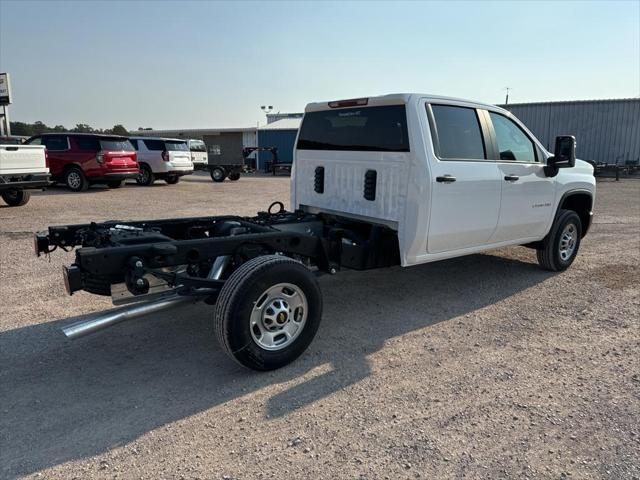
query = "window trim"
{"x": 494, "y": 140}
{"x": 484, "y": 133}
{"x": 57, "y": 135}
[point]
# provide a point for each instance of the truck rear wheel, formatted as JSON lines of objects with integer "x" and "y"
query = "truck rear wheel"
{"x": 234, "y": 176}
{"x": 145, "y": 176}
{"x": 218, "y": 174}
{"x": 16, "y": 198}
{"x": 268, "y": 312}
{"x": 172, "y": 180}
{"x": 75, "y": 180}
{"x": 560, "y": 246}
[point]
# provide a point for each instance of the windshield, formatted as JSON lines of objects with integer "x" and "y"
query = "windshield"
{"x": 197, "y": 146}
{"x": 116, "y": 145}
{"x": 380, "y": 129}
{"x": 176, "y": 146}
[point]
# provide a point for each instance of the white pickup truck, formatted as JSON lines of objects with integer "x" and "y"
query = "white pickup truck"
{"x": 393, "y": 180}
{"x": 22, "y": 167}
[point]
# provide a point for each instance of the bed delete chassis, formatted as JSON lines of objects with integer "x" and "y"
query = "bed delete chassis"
{"x": 194, "y": 256}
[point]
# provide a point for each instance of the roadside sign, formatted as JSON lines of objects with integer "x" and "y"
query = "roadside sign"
{"x": 5, "y": 89}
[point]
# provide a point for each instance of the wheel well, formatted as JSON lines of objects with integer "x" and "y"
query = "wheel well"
{"x": 69, "y": 166}
{"x": 580, "y": 203}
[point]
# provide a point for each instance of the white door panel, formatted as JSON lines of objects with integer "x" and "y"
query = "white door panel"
{"x": 527, "y": 201}
{"x": 464, "y": 213}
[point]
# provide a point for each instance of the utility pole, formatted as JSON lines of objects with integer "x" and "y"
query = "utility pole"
{"x": 506, "y": 100}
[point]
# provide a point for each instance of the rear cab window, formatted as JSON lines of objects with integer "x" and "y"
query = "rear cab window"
{"x": 458, "y": 135}
{"x": 376, "y": 129}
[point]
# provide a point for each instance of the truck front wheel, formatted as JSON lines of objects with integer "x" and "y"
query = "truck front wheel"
{"x": 268, "y": 312}
{"x": 16, "y": 198}
{"x": 560, "y": 246}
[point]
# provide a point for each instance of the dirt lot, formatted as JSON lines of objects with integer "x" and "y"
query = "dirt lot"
{"x": 478, "y": 367}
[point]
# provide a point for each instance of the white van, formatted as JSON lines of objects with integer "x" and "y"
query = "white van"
{"x": 162, "y": 159}
{"x": 199, "y": 155}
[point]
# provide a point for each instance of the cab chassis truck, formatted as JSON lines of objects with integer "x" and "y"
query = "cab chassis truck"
{"x": 400, "y": 179}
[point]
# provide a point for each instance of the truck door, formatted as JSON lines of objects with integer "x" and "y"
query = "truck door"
{"x": 465, "y": 190}
{"x": 527, "y": 194}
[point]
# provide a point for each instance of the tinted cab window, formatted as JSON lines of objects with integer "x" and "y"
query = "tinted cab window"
{"x": 380, "y": 129}
{"x": 55, "y": 142}
{"x": 87, "y": 144}
{"x": 513, "y": 143}
{"x": 458, "y": 133}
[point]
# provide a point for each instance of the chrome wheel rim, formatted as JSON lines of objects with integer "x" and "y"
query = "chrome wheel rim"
{"x": 278, "y": 316}
{"x": 568, "y": 240}
{"x": 143, "y": 176}
{"x": 217, "y": 174}
{"x": 74, "y": 180}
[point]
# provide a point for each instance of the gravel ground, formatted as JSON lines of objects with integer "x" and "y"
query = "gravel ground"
{"x": 477, "y": 367}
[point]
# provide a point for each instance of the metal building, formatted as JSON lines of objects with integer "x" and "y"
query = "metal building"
{"x": 281, "y": 134}
{"x": 606, "y": 131}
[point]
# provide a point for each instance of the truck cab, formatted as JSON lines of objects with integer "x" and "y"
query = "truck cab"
{"x": 450, "y": 176}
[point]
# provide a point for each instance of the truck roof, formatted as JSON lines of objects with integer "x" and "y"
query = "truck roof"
{"x": 393, "y": 99}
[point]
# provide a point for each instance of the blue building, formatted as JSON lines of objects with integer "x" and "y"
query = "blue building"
{"x": 281, "y": 134}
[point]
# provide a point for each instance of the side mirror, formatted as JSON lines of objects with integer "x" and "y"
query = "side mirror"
{"x": 564, "y": 155}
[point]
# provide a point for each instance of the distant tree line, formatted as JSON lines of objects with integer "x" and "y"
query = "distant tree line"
{"x": 28, "y": 129}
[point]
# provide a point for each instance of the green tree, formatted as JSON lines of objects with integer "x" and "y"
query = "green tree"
{"x": 82, "y": 128}
{"x": 21, "y": 128}
{"x": 39, "y": 127}
{"x": 119, "y": 130}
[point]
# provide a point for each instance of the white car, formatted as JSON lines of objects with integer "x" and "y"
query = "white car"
{"x": 165, "y": 159}
{"x": 199, "y": 155}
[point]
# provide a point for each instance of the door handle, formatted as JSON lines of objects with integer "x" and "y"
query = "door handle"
{"x": 446, "y": 179}
{"x": 511, "y": 178}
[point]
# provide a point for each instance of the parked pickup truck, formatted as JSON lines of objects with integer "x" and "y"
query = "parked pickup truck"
{"x": 393, "y": 180}
{"x": 22, "y": 167}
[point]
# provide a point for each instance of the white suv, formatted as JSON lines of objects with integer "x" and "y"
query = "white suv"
{"x": 162, "y": 159}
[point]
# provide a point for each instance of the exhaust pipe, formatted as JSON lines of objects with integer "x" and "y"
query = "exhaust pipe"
{"x": 102, "y": 320}
{"x": 99, "y": 321}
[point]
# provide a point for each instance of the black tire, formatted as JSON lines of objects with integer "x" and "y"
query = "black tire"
{"x": 16, "y": 198}
{"x": 566, "y": 230}
{"x": 234, "y": 176}
{"x": 75, "y": 180}
{"x": 238, "y": 297}
{"x": 115, "y": 183}
{"x": 218, "y": 174}
{"x": 146, "y": 176}
{"x": 172, "y": 180}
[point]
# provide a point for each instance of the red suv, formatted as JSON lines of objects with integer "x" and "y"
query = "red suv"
{"x": 82, "y": 159}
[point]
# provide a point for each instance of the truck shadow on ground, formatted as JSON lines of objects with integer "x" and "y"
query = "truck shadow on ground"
{"x": 65, "y": 400}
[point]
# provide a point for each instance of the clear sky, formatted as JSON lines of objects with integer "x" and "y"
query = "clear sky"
{"x": 165, "y": 64}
